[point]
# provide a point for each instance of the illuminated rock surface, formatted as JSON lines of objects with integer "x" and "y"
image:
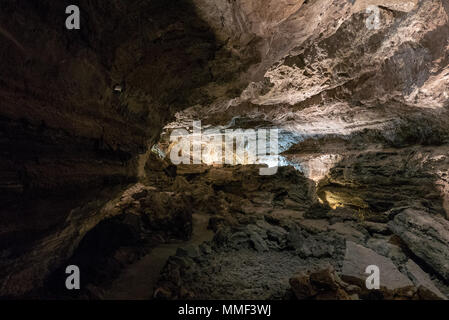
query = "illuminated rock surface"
{"x": 363, "y": 118}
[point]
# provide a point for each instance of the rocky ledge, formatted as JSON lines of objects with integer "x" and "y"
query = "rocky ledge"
{"x": 363, "y": 118}
{"x": 273, "y": 239}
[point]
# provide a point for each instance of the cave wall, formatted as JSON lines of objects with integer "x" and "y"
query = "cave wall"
{"x": 69, "y": 142}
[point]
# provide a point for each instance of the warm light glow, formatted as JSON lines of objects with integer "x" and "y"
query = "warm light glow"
{"x": 333, "y": 200}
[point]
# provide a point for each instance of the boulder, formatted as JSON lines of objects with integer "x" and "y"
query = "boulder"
{"x": 190, "y": 251}
{"x": 427, "y": 236}
{"x": 322, "y": 284}
{"x": 422, "y": 280}
{"x": 349, "y": 231}
{"x": 358, "y": 258}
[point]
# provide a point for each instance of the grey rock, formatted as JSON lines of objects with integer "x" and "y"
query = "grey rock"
{"x": 427, "y": 236}
{"x": 374, "y": 227}
{"x": 387, "y": 249}
{"x": 348, "y": 231}
{"x": 184, "y": 262}
{"x": 258, "y": 243}
{"x": 358, "y": 258}
{"x": 420, "y": 278}
{"x": 315, "y": 247}
{"x": 315, "y": 226}
{"x": 256, "y": 229}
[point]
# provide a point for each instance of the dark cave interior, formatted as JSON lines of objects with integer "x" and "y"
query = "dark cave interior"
{"x": 360, "y": 111}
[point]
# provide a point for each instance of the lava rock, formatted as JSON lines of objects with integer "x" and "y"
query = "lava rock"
{"x": 427, "y": 236}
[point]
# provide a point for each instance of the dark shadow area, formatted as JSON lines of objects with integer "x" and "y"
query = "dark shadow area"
{"x": 66, "y": 138}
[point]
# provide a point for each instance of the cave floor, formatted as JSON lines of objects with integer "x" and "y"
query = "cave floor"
{"x": 228, "y": 233}
{"x": 138, "y": 281}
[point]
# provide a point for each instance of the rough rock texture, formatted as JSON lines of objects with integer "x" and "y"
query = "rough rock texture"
{"x": 381, "y": 179}
{"x": 332, "y": 74}
{"x": 325, "y": 284}
{"x": 426, "y": 236}
{"x": 141, "y": 219}
{"x": 421, "y": 279}
{"x": 254, "y": 221}
{"x": 362, "y": 112}
{"x": 364, "y": 107}
{"x": 67, "y": 135}
{"x": 266, "y": 250}
{"x": 321, "y": 285}
{"x": 358, "y": 258}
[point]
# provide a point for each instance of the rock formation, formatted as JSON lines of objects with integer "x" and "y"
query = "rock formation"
{"x": 361, "y": 105}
